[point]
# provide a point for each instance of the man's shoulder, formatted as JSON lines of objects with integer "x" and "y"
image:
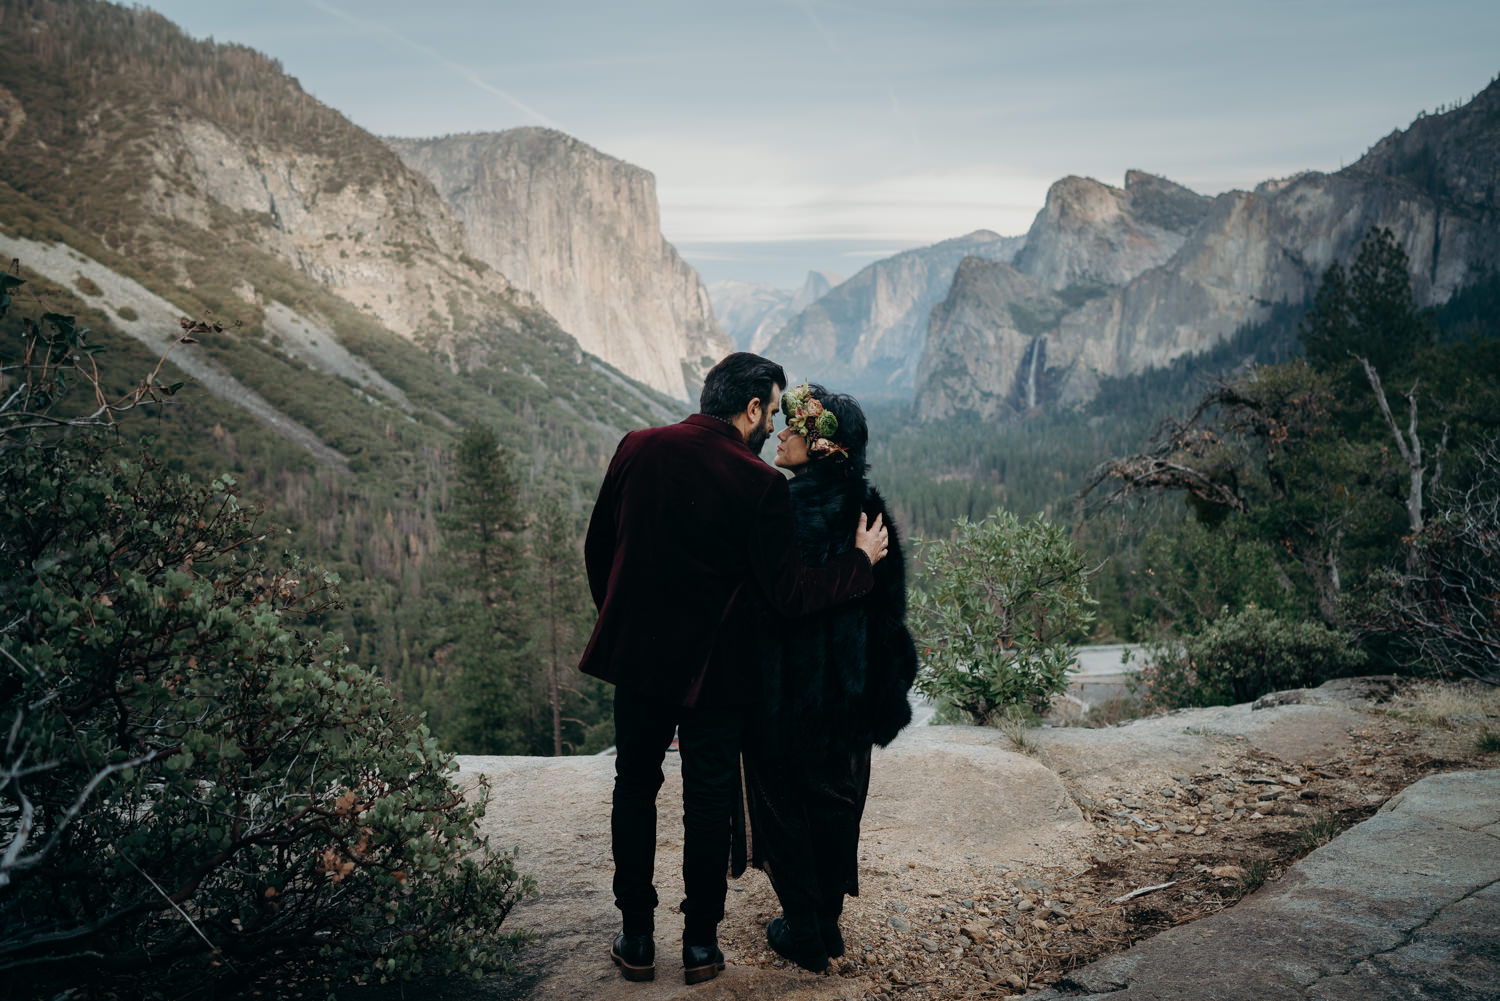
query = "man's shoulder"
{"x": 714, "y": 454}
{"x": 696, "y": 437}
{"x": 666, "y": 437}
{"x": 652, "y": 438}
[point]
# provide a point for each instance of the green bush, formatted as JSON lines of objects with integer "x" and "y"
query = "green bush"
{"x": 996, "y": 612}
{"x": 1245, "y": 655}
{"x": 192, "y": 785}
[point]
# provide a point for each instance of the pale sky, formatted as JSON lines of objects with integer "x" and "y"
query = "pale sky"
{"x": 825, "y": 133}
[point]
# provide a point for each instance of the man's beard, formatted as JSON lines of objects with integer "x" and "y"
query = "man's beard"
{"x": 758, "y": 438}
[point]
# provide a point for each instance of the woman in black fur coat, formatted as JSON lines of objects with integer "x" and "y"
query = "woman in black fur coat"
{"x": 836, "y": 684}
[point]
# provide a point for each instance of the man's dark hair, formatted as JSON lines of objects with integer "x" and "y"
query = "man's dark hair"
{"x": 854, "y": 431}
{"x": 734, "y": 382}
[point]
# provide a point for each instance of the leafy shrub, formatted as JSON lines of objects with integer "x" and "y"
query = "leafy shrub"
{"x": 1243, "y": 656}
{"x": 997, "y": 609}
{"x": 192, "y": 785}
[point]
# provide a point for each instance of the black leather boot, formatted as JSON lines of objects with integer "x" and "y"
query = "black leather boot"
{"x": 701, "y": 958}
{"x": 635, "y": 955}
{"x": 799, "y": 941}
{"x": 701, "y": 962}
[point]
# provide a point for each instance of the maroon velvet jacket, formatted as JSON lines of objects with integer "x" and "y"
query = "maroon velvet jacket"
{"x": 687, "y": 519}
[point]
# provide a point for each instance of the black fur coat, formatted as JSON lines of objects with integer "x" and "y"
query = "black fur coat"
{"x": 838, "y": 679}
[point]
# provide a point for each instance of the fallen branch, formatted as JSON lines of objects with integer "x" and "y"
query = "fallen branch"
{"x": 1142, "y": 892}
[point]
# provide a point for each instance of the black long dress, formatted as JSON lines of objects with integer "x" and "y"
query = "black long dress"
{"x": 836, "y": 684}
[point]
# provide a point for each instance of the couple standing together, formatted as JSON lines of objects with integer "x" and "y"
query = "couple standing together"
{"x": 753, "y": 615}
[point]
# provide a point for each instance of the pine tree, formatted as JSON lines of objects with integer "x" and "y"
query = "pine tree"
{"x": 1370, "y": 312}
{"x": 487, "y": 634}
{"x": 484, "y": 516}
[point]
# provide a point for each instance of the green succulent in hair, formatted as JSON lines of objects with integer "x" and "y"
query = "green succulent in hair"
{"x": 792, "y": 399}
{"x": 828, "y": 425}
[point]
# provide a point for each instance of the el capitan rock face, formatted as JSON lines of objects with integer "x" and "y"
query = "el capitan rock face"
{"x": 580, "y": 231}
{"x": 867, "y": 335}
{"x": 257, "y": 204}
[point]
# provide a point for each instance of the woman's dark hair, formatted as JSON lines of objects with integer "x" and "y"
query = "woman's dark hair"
{"x": 734, "y": 382}
{"x": 854, "y": 431}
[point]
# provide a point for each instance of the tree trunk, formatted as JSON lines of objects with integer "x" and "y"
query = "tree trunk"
{"x": 1410, "y": 447}
{"x": 1323, "y": 569}
{"x": 554, "y": 686}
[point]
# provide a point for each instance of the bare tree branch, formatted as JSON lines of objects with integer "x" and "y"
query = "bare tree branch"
{"x": 13, "y": 860}
{"x": 1448, "y": 605}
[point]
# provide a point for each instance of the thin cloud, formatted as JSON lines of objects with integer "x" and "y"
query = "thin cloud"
{"x": 462, "y": 72}
{"x": 838, "y": 50}
{"x": 911, "y": 209}
{"x": 828, "y": 39}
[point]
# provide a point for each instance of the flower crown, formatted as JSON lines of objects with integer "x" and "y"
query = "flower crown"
{"x": 806, "y": 416}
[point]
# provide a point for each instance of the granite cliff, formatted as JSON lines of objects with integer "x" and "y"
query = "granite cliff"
{"x": 191, "y": 177}
{"x": 1203, "y": 270}
{"x": 381, "y": 239}
{"x": 751, "y": 314}
{"x": 192, "y": 157}
{"x": 989, "y": 332}
{"x": 1090, "y": 234}
{"x": 867, "y": 335}
{"x": 581, "y": 231}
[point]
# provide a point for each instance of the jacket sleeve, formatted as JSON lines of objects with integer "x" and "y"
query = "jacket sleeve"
{"x": 599, "y": 543}
{"x": 793, "y": 588}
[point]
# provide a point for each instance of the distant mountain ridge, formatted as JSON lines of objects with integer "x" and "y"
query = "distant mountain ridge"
{"x": 986, "y": 333}
{"x": 580, "y": 231}
{"x": 1215, "y": 266}
{"x": 751, "y": 314}
{"x": 867, "y": 335}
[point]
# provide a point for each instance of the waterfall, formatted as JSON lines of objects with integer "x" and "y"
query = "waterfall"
{"x": 1036, "y": 350}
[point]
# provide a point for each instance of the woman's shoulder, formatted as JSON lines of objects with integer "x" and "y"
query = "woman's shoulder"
{"x": 874, "y": 503}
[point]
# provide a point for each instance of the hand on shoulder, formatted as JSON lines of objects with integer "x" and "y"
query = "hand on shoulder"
{"x": 872, "y": 538}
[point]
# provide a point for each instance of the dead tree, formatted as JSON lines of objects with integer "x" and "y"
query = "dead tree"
{"x": 1410, "y": 447}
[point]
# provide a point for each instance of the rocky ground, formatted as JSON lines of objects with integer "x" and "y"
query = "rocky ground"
{"x": 1167, "y": 851}
{"x": 993, "y": 863}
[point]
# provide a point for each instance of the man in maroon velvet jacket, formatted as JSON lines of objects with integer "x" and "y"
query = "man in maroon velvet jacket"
{"x": 688, "y": 519}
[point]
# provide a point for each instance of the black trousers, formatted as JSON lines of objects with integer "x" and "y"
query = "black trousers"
{"x": 709, "y": 741}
